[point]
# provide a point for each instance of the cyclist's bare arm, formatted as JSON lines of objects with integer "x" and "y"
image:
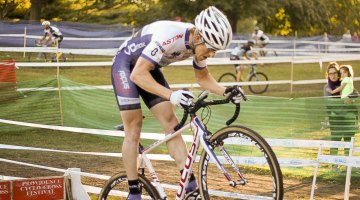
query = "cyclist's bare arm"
{"x": 250, "y": 55}
{"x": 41, "y": 40}
{"x": 141, "y": 77}
{"x": 207, "y": 81}
{"x": 254, "y": 55}
{"x": 246, "y": 56}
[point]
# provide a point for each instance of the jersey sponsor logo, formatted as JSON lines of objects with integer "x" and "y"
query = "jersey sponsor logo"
{"x": 124, "y": 80}
{"x": 134, "y": 47}
{"x": 168, "y": 41}
{"x": 128, "y": 100}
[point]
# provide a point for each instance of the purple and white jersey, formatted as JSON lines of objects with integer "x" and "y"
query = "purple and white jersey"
{"x": 164, "y": 42}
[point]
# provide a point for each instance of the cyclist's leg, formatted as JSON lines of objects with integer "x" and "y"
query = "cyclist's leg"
{"x": 127, "y": 97}
{"x": 164, "y": 113}
{"x": 239, "y": 72}
{"x": 132, "y": 120}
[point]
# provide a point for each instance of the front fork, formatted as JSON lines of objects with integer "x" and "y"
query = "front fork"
{"x": 208, "y": 147}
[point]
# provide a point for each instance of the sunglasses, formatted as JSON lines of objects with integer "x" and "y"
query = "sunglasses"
{"x": 208, "y": 45}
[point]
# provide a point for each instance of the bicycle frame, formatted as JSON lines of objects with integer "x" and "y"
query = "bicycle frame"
{"x": 200, "y": 133}
{"x": 253, "y": 71}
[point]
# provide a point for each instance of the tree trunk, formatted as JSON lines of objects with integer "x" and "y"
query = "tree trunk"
{"x": 35, "y": 10}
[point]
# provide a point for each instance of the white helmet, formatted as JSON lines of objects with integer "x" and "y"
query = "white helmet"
{"x": 46, "y": 23}
{"x": 214, "y": 28}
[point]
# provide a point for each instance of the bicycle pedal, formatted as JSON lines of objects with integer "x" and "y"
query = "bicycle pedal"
{"x": 241, "y": 182}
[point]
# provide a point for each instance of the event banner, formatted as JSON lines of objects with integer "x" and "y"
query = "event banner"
{"x": 47, "y": 188}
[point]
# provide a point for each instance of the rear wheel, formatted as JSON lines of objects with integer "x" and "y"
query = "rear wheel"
{"x": 37, "y": 57}
{"x": 116, "y": 188}
{"x": 227, "y": 77}
{"x": 252, "y": 156}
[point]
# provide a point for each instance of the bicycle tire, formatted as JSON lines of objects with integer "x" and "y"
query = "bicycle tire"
{"x": 117, "y": 188}
{"x": 258, "y": 89}
{"x": 264, "y": 181}
{"x": 227, "y": 77}
{"x": 37, "y": 57}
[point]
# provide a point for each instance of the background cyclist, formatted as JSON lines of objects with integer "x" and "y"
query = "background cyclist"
{"x": 136, "y": 72}
{"x": 261, "y": 39}
{"x": 245, "y": 52}
{"x": 51, "y": 37}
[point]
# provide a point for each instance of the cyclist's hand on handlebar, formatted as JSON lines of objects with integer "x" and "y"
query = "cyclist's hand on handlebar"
{"x": 181, "y": 98}
{"x": 235, "y": 93}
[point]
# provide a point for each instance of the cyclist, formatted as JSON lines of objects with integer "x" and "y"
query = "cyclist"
{"x": 244, "y": 52}
{"x": 261, "y": 39}
{"x": 136, "y": 72}
{"x": 52, "y": 36}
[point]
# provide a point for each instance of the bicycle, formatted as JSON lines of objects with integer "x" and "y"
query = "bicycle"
{"x": 253, "y": 76}
{"x": 44, "y": 56}
{"x": 248, "y": 171}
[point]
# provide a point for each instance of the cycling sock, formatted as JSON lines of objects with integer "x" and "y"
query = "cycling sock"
{"x": 134, "y": 197}
{"x": 134, "y": 186}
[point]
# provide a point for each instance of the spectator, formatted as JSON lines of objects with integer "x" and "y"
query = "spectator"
{"x": 355, "y": 37}
{"x": 347, "y": 86}
{"x": 347, "y": 36}
{"x": 326, "y": 40}
{"x": 342, "y": 117}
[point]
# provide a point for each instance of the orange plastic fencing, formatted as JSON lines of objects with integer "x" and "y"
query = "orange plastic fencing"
{"x": 8, "y": 88}
{"x": 7, "y": 71}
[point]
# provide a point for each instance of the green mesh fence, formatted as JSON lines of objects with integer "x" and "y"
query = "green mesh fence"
{"x": 282, "y": 118}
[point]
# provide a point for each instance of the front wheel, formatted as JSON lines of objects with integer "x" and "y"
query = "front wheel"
{"x": 227, "y": 77}
{"x": 254, "y": 167}
{"x": 258, "y": 89}
{"x": 117, "y": 188}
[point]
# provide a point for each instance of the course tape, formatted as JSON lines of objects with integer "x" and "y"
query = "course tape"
{"x": 340, "y": 160}
{"x": 184, "y": 85}
{"x": 166, "y": 157}
{"x": 187, "y": 138}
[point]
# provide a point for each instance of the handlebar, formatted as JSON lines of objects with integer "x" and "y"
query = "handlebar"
{"x": 201, "y": 103}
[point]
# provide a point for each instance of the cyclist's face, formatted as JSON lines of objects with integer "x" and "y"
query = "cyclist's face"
{"x": 202, "y": 52}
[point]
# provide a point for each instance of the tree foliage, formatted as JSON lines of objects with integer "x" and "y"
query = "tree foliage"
{"x": 278, "y": 17}
{"x": 13, "y": 8}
